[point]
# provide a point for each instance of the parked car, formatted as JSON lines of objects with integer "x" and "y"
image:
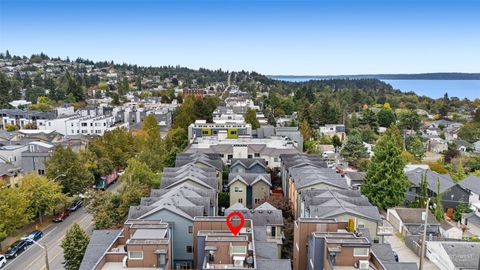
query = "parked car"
{"x": 75, "y": 206}
{"x": 33, "y": 236}
{"x": 14, "y": 250}
{"x": 62, "y": 216}
{"x": 3, "y": 261}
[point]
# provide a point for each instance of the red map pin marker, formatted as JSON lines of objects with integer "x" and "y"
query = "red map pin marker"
{"x": 235, "y": 229}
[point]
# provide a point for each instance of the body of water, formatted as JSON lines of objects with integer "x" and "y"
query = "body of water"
{"x": 431, "y": 88}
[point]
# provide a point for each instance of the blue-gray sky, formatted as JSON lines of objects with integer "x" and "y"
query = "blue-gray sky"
{"x": 272, "y": 37}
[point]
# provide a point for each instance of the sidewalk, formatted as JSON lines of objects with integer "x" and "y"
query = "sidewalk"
{"x": 47, "y": 220}
{"x": 405, "y": 254}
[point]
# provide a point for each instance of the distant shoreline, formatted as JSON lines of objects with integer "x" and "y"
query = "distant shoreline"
{"x": 421, "y": 76}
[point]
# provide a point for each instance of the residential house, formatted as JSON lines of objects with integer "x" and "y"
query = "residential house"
{"x": 345, "y": 205}
{"x": 33, "y": 159}
{"x": 249, "y": 189}
{"x": 452, "y": 193}
{"x": 326, "y": 244}
{"x": 472, "y": 220}
{"x": 178, "y": 210}
{"x": 332, "y": 130}
{"x": 206, "y": 162}
{"x": 12, "y": 154}
{"x": 298, "y": 160}
{"x": 463, "y": 146}
{"x": 203, "y": 176}
{"x": 9, "y": 174}
{"x": 447, "y": 230}
{"x": 268, "y": 228}
{"x": 311, "y": 177}
{"x": 454, "y": 255}
{"x": 248, "y": 165}
{"x": 215, "y": 247}
{"x": 141, "y": 244}
{"x": 355, "y": 179}
{"x": 410, "y": 221}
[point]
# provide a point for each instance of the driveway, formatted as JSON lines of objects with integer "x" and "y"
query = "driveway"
{"x": 406, "y": 255}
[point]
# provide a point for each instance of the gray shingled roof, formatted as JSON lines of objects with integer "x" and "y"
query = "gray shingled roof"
{"x": 463, "y": 255}
{"x": 249, "y": 178}
{"x": 415, "y": 177}
{"x": 309, "y": 175}
{"x": 333, "y": 203}
{"x": 248, "y": 162}
{"x": 472, "y": 183}
{"x": 100, "y": 241}
{"x": 266, "y": 250}
{"x": 300, "y": 159}
{"x": 263, "y": 215}
{"x": 213, "y": 160}
{"x": 414, "y": 216}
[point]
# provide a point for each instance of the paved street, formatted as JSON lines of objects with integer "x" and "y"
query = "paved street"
{"x": 34, "y": 257}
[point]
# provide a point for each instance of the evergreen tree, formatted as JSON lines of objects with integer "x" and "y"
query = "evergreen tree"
{"x": 74, "y": 246}
{"x": 422, "y": 199}
{"x": 385, "y": 182}
{"x": 369, "y": 119}
{"x": 438, "y": 212}
{"x": 385, "y": 117}
{"x": 354, "y": 150}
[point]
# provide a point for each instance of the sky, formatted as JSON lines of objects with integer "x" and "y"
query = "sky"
{"x": 274, "y": 37}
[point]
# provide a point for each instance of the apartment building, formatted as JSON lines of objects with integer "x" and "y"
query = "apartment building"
{"x": 311, "y": 177}
{"x": 215, "y": 247}
{"x": 348, "y": 206}
{"x": 22, "y": 118}
{"x": 268, "y": 149}
{"x": 140, "y": 244}
{"x": 232, "y": 130}
{"x": 297, "y": 160}
{"x": 249, "y": 189}
{"x": 327, "y": 244}
{"x": 79, "y": 125}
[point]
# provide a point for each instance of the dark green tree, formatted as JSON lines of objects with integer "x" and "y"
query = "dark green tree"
{"x": 385, "y": 182}
{"x": 438, "y": 211}
{"x": 385, "y": 118}
{"x": 354, "y": 150}
{"x": 409, "y": 120}
{"x": 74, "y": 246}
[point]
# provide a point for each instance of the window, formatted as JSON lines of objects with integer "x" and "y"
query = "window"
{"x": 238, "y": 189}
{"x": 257, "y": 154}
{"x": 233, "y": 132}
{"x": 360, "y": 252}
{"x": 41, "y": 172}
{"x": 239, "y": 249}
{"x": 135, "y": 255}
{"x": 161, "y": 260}
{"x": 230, "y": 156}
{"x": 189, "y": 249}
{"x": 190, "y": 229}
{"x": 240, "y": 200}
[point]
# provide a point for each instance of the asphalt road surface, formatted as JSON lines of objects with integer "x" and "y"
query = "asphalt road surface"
{"x": 34, "y": 257}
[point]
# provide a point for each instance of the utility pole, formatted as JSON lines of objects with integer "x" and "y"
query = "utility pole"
{"x": 47, "y": 266}
{"x": 422, "y": 251}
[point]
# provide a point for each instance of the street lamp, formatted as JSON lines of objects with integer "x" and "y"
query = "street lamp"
{"x": 47, "y": 267}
